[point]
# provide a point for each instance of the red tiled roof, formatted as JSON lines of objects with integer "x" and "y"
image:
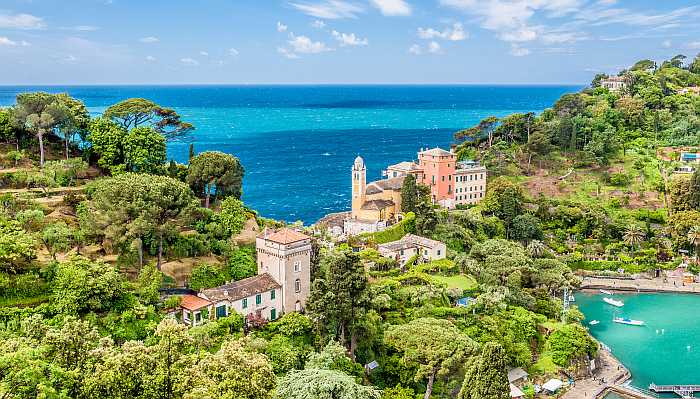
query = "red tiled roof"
{"x": 191, "y": 302}
{"x": 284, "y": 236}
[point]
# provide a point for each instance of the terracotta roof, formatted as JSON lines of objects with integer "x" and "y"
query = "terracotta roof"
{"x": 242, "y": 288}
{"x": 375, "y": 187}
{"x": 191, "y": 302}
{"x": 377, "y": 205}
{"x": 436, "y": 152}
{"x": 284, "y": 236}
{"x": 410, "y": 241}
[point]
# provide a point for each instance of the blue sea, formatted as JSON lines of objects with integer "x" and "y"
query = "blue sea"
{"x": 297, "y": 143}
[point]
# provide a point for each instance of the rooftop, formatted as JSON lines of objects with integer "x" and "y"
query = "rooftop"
{"x": 406, "y": 166}
{"x": 409, "y": 241}
{"x": 192, "y": 302}
{"x": 437, "y": 151}
{"x": 395, "y": 183}
{"x": 377, "y": 205}
{"x": 242, "y": 288}
{"x": 283, "y": 236}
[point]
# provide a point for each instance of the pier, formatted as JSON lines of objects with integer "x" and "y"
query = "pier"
{"x": 684, "y": 391}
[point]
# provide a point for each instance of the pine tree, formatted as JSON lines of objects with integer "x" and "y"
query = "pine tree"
{"x": 487, "y": 376}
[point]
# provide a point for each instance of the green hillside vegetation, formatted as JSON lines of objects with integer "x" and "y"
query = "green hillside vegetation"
{"x": 96, "y": 224}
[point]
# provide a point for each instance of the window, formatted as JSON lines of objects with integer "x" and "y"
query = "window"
{"x": 438, "y": 252}
{"x": 402, "y": 252}
{"x": 273, "y": 314}
{"x": 197, "y": 317}
{"x": 433, "y": 179}
{"x": 443, "y": 178}
{"x": 244, "y": 303}
{"x": 188, "y": 315}
{"x": 297, "y": 285}
{"x": 272, "y": 294}
{"x": 449, "y": 177}
{"x": 258, "y": 299}
{"x": 425, "y": 252}
{"x": 297, "y": 266}
{"x": 221, "y": 311}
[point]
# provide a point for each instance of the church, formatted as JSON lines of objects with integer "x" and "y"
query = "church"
{"x": 375, "y": 205}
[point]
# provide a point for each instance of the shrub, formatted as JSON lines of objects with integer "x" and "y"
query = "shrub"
{"x": 206, "y": 275}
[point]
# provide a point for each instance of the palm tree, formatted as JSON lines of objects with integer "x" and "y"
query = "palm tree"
{"x": 634, "y": 235}
{"x": 536, "y": 248}
{"x": 694, "y": 240}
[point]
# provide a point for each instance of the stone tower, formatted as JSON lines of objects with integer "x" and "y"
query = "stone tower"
{"x": 285, "y": 255}
{"x": 359, "y": 184}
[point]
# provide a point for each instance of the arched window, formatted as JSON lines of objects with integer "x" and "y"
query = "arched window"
{"x": 297, "y": 285}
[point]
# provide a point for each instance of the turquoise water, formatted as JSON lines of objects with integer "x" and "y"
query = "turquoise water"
{"x": 664, "y": 351}
{"x": 298, "y": 143}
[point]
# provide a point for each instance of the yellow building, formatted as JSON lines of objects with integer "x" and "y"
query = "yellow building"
{"x": 374, "y": 204}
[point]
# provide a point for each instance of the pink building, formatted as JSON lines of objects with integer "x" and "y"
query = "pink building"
{"x": 438, "y": 168}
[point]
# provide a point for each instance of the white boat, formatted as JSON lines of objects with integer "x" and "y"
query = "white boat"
{"x": 613, "y": 302}
{"x": 606, "y": 292}
{"x": 594, "y": 322}
{"x": 623, "y": 320}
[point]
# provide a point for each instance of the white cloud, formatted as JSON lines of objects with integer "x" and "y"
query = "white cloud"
{"x": 318, "y": 24}
{"x": 415, "y": 49}
{"x": 518, "y": 51}
{"x": 204, "y": 53}
{"x": 232, "y": 51}
{"x": 21, "y": 21}
{"x": 392, "y": 7}
{"x": 434, "y": 48}
{"x": 304, "y": 45}
{"x": 150, "y": 58}
{"x": 281, "y": 27}
{"x": 4, "y": 41}
{"x": 524, "y": 34}
{"x": 149, "y": 39}
{"x": 70, "y": 59}
{"x": 285, "y": 52}
{"x": 666, "y": 44}
{"x": 189, "y": 61}
{"x": 348, "y": 39}
{"x": 454, "y": 33}
{"x": 330, "y": 9}
{"x": 85, "y": 28}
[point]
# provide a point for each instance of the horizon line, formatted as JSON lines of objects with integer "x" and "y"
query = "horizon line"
{"x": 291, "y": 84}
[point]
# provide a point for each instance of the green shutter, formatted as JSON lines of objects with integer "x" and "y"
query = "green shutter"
{"x": 273, "y": 314}
{"x": 258, "y": 299}
{"x": 272, "y": 294}
{"x": 245, "y": 303}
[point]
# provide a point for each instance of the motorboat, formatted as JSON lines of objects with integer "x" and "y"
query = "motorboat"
{"x": 606, "y": 292}
{"x": 594, "y": 322}
{"x": 624, "y": 320}
{"x": 613, "y": 302}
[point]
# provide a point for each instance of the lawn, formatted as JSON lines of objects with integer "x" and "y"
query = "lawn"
{"x": 460, "y": 281}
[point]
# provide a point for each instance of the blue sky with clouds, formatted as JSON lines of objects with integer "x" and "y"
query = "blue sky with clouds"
{"x": 336, "y": 41}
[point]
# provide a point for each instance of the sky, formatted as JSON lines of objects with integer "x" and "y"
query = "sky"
{"x": 82, "y": 42}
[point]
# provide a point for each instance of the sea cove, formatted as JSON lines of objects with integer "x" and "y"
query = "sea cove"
{"x": 664, "y": 351}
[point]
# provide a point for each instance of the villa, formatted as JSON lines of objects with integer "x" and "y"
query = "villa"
{"x": 281, "y": 286}
{"x": 614, "y": 83}
{"x": 411, "y": 245}
{"x": 377, "y": 204}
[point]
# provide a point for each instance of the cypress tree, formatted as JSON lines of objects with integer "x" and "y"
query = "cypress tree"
{"x": 409, "y": 194}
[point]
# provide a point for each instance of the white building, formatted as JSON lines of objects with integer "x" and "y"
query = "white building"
{"x": 613, "y": 83}
{"x": 470, "y": 183}
{"x": 411, "y": 245}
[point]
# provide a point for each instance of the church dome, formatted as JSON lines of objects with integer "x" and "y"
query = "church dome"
{"x": 359, "y": 163}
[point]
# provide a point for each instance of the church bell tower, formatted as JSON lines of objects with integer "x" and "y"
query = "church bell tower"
{"x": 359, "y": 184}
